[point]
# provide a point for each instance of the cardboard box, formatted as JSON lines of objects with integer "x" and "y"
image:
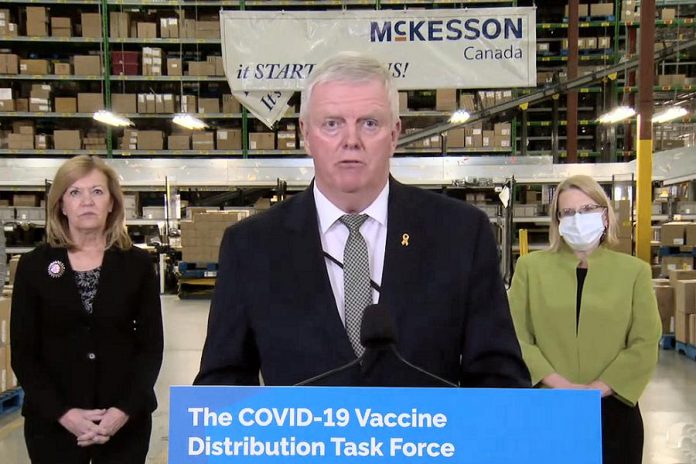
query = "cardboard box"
{"x": 87, "y": 65}
{"x": 67, "y": 140}
{"x": 676, "y": 275}
{"x": 61, "y": 27}
{"x": 173, "y": 66}
{"x": 501, "y": 141}
{"x": 189, "y": 104}
{"x": 261, "y": 140}
{"x": 403, "y": 102}
{"x": 9, "y": 63}
{"x": 89, "y": 102}
{"x": 62, "y": 69}
{"x": 692, "y": 329}
{"x": 690, "y": 234}
{"x": 665, "y": 303}
{"x": 124, "y": 102}
{"x": 591, "y": 43}
{"x": 41, "y": 142}
{"x": 287, "y": 140}
{"x": 583, "y": 10}
{"x": 200, "y": 68}
{"x": 603, "y": 42}
{"x": 229, "y": 139}
{"x": 37, "y": 21}
{"x": 602, "y": 9}
{"x": 671, "y": 263}
{"x": 503, "y": 128}
{"x": 681, "y": 326}
{"x": 487, "y": 140}
{"x": 455, "y": 138}
{"x": 218, "y": 68}
{"x": 179, "y": 142}
{"x": 208, "y": 105}
{"x": 230, "y": 104}
{"x": 685, "y": 296}
{"x": 446, "y": 100}
{"x": 147, "y": 30}
{"x": 168, "y": 103}
{"x": 119, "y": 24}
{"x": 65, "y": 104}
{"x": 91, "y": 24}
{"x": 20, "y": 141}
{"x": 33, "y": 66}
{"x": 668, "y": 14}
{"x": 150, "y": 140}
{"x": 203, "y": 140}
{"x": 150, "y": 103}
{"x": 207, "y": 29}
{"x": 673, "y": 234}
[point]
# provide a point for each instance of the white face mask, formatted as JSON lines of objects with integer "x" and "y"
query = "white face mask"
{"x": 582, "y": 232}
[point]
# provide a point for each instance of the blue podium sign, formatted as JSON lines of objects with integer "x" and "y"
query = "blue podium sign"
{"x": 336, "y": 425}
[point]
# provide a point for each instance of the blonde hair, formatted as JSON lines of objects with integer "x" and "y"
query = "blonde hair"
{"x": 351, "y": 67}
{"x": 592, "y": 189}
{"x": 57, "y": 227}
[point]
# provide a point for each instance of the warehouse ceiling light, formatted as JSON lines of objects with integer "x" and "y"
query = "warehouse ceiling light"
{"x": 189, "y": 122}
{"x": 107, "y": 117}
{"x": 669, "y": 114}
{"x": 459, "y": 117}
{"x": 617, "y": 114}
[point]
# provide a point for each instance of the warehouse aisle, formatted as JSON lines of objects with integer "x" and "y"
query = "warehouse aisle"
{"x": 668, "y": 407}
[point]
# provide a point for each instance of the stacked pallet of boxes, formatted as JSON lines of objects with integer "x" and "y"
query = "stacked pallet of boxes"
{"x": 676, "y": 299}
{"x": 677, "y": 240}
{"x": 202, "y": 235}
{"x": 8, "y": 380}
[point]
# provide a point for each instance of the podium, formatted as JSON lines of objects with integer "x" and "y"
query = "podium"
{"x": 336, "y": 425}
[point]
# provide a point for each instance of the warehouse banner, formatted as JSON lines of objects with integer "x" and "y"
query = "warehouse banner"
{"x": 450, "y": 48}
{"x": 266, "y": 106}
{"x": 337, "y": 425}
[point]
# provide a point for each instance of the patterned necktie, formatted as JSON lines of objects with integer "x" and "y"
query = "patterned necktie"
{"x": 356, "y": 278}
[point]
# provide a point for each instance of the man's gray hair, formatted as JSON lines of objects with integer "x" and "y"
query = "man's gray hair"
{"x": 351, "y": 67}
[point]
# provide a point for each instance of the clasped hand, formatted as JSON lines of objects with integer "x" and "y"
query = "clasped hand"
{"x": 93, "y": 426}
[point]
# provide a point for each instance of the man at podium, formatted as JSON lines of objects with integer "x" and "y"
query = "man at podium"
{"x": 294, "y": 281}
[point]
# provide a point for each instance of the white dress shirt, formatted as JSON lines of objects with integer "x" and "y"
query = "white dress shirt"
{"x": 334, "y": 235}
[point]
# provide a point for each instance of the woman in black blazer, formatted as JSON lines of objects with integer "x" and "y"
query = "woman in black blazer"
{"x": 86, "y": 327}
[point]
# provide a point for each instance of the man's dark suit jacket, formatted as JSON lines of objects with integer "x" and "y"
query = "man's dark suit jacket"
{"x": 273, "y": 308}
{"x": 66, "y": 358}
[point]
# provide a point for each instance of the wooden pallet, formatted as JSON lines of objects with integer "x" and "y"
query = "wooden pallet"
{"x": 667, "y": 342}
{"x": 687, "y": 350}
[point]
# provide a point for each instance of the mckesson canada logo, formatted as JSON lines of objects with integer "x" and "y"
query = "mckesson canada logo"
{"x": 440, "y": 30}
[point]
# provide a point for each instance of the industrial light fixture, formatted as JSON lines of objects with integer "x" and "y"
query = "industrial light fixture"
{"x": 617, "y": 114}
{"x": 669, "y": 114}
{"x": 459, "y": 117}
{"x": 189, "y": 122}
{"x": 112, "y": 119}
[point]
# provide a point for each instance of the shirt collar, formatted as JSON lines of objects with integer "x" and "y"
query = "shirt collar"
{"x": 329, "y": 213}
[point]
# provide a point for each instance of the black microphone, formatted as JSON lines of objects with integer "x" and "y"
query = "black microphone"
{"x": 376, "y": 333}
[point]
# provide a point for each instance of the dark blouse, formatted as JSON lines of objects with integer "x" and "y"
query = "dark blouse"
{"x": 87, "y": 282}
{"x": 581, "y": 274}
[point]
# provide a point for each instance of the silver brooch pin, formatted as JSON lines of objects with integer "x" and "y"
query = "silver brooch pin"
{"x": 56, "y": 269}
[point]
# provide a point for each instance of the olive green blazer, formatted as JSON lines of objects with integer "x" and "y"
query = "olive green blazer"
{"x": 619, "y": 328}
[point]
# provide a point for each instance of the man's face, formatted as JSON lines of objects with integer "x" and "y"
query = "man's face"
{"x": 350, "y": 133}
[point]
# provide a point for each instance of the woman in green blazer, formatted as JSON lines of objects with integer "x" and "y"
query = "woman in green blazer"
{"x": 586, "y": 316}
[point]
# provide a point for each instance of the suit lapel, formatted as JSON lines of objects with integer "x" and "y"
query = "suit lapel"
{"x": 304, "y": 249}
{"x": 68, "y": 279}
{"x": 404, "y": 249}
